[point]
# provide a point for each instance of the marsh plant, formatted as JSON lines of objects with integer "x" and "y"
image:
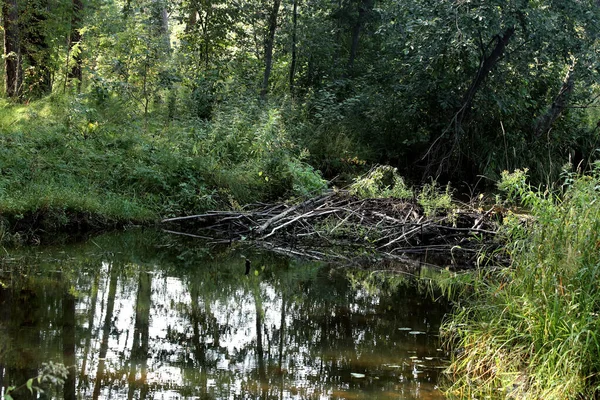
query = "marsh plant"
{"x": 51, "y": 378}
{"x": 531, "y": 331}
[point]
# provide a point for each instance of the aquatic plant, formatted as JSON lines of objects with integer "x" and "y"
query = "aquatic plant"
{"x": 52, "y": 376}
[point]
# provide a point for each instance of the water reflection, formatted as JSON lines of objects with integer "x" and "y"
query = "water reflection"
{"x": 147, "y": 316}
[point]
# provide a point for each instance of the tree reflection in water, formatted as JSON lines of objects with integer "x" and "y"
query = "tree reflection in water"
{"x": 143, "y": 315}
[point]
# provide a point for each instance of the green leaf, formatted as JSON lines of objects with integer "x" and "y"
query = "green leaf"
{"x": 29, "y": 384}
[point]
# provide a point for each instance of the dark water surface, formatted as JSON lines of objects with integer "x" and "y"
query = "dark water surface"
{"x": 145, "y": 315}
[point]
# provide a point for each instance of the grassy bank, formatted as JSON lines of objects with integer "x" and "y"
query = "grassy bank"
{"x": 532, "y": 330}
{"x": 67, "y": 163}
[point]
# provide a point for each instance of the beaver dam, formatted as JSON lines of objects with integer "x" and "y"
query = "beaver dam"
{"x": 344, "y": 228}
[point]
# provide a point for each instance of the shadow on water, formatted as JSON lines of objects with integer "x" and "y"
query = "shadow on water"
{"x": 144, "y": 315}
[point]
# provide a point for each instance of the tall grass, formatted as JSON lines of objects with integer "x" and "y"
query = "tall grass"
{"x": 531, "y": 331}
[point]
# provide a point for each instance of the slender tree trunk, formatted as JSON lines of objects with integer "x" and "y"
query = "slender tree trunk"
{"x": 36, "y": 50}
{"x": 364, "y": 8}
{"x": 12, "y": 49}
{"x": 163, "y": 21}
{"x": 337, "y": 52}
{"x": 545, "y": 122}
{"x": 75, "y": 70}
{"x": 294, "y": 29}
{"x": 269, "y": 47}
{"x": 192, "y": 18}
{"x": 485, "y": 68}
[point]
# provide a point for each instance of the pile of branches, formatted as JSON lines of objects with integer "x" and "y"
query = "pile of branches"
{"x": 339, "y": 226}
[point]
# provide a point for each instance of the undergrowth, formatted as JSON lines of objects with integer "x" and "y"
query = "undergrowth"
{"x": 67, "y": 159}
{"x": 531, "y": 331}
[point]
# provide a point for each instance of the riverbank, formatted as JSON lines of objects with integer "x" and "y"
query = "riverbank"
{"x": 68, "y": 164}
{"x": 530, "y": 331}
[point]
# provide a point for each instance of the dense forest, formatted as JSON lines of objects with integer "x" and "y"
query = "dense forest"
{"x": 451, "y": 89}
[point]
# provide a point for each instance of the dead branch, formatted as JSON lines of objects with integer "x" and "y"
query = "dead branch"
{"x": 344, "y": 227}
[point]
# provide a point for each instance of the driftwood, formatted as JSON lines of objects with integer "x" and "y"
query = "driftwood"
{"x": 338, "y": 226}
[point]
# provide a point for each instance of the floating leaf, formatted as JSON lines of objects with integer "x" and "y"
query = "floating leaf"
{"x": 416, "y": 333}
{"x": 405, "y": 329}
{"x": 357, "y": 375}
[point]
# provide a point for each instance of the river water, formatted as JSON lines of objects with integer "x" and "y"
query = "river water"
{"x": 147, "y": 315}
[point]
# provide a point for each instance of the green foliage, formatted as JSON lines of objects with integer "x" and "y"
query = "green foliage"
{"x": 531, "y": 330}
{"x": 52, "y": 377}
{"x": 69, "y": 162}
{"x": 433, "y": 201}
{"x": 381, "y": 181}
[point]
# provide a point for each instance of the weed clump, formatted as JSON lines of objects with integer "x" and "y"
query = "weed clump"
{"x": 433, "y": 201}
{"x": 381, "y": 182}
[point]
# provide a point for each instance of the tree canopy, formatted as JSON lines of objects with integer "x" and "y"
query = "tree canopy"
{"x": 452, "y": 88}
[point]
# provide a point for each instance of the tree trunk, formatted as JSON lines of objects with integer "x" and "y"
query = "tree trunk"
{"x": 269, "y": 47}
{"x": 36, "y": 50}
{"x": 545, "y": 122}
{"x": 485, "y": 68}
{"x": 12, "y": 49}
{"x": 163, "y": 21}
{"x": 75, "y": 71}
{"x": 364, "y": 8}
{"x": 192, "y": 18}
{"x": 293, "y": 63}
